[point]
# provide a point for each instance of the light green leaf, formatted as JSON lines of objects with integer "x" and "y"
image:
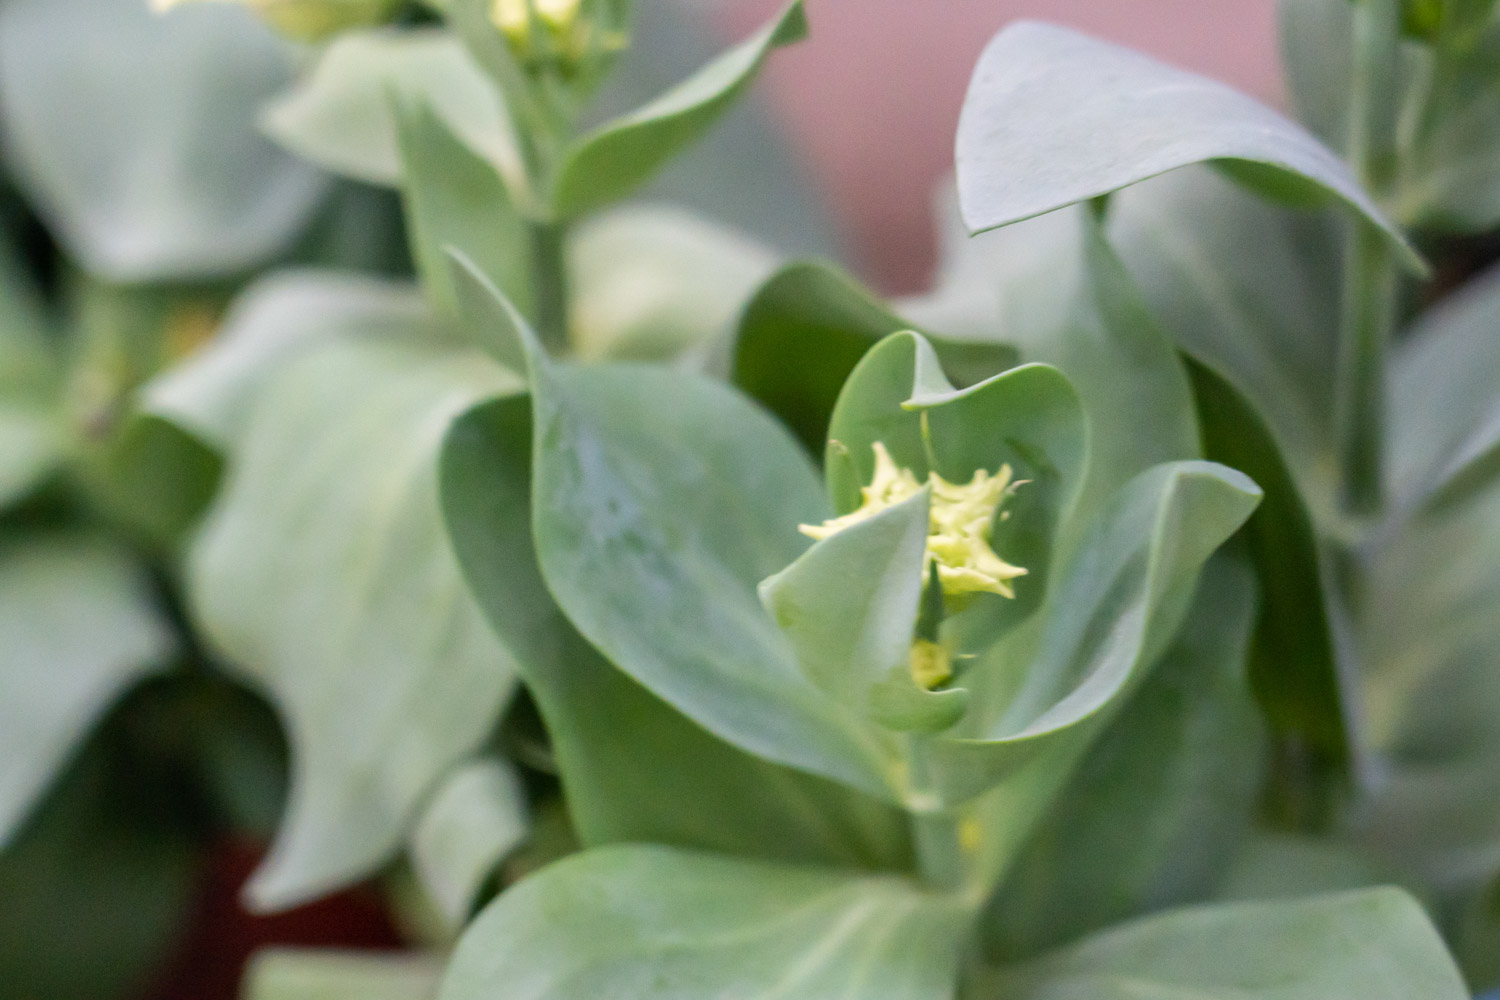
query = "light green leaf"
{"x": 325, "y": 974}
{"x": 1445, "y": 408}
{"x": 806, "y": 329}
{"x": 1249, "y": 288}
{"x": 1284, "y": 866}
{"x": 454, "y": 198}
{"x": 1374, "y": 944}
{"x": 210, "y": 394}
{"x": 134, "y": 135}
{"x": 653, "y": 282}
{"x": 1161, "y": 803}
{"x": 477, "y": 817}
{"x": 1054, "y": 117}
{"x": 611, "y": 161}
{"x": 633, "y": 769}
{"x": 340, "y": 117}
{"x": 77, "y": 628}
{"x": 651, "y": 923}
{"x": 325, "y": 576}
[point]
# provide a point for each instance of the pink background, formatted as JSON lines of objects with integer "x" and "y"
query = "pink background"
{"x": 873, "y": 96}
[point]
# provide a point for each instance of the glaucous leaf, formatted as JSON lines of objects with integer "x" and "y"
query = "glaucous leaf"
{"x": 1287, "y": 866}
{"x": 78, "y": 626}
{"x": 1164, "y": 799}
{"x": 134, "y": 135}
{"x": 653, "y": 923}
{"x": 325, "y": 576}
{"x": 211, "y": 393}
{"x": 633, "y": 768}
{"x": 340, "y": 117}
{"x": 611, "y": 161}
{"x": 1054, "y": 117}
{"x": 474, "y": 819}
{"x": 653, "y": 282}
{"x": 807, "y": 327}
{"x": 326, "y": 974}
{"x": 1445, "y": 407}
{"x": 455, "y": 198}
{"x": 1373, "y": 944}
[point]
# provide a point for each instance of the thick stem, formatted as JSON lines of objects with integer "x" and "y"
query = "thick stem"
{"x": 935, "y": 832}
{"x": 549, "y": 265}
{"x": 1369, "y": 292}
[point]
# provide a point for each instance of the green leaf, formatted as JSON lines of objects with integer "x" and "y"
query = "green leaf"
{"x": 134, "y": 135}
{"x": 635, "y": 923}
{"x": 1281, "y": 866}
{"x": 454, "y": 198}
{"x": 1370, "y": 945}
{"x": 654, "y": 283}
{"x": 324, "y": 574}
{"x": 210, "y": 394}
{"x": 633, "y": 769}
{"x": 614, "y": 159}
{"x": 77, "y": 628}
{"x": 475, "y": 819}
{"x": 340, "y": 117}
{"x": 325, "y": 974}
{"x": 805, "y": 330}
{"x": 1445, "y": 409}
{"x": 1090, "y": 118}
{"x": 1249, "y": 288}
{"x": 31, "y": 434}
{"x": 1161, "y": 803}
{"x": 660, "y": 500}
{"x": 1295, "y": 664}
{"x": 1089, "y": 320}
{"x": 99, "y": 886}
{"x": 1109, "y": 616}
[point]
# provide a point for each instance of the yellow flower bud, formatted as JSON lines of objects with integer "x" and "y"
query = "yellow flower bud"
{"x": 930, "y": 664}
{"x": 961, "y": 519}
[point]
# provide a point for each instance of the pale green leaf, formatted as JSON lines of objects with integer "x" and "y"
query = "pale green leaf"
{"x": 134, "y": 135}
{"x": 1374, "y": 944}
{"x": 326, "y": 974}
{"x": 78, "y": 626}
{"x": 475, "y": 818}
{"x": 324, "y": 574}
{"x": 339, "y": 115}
{"x": 651, "y": 923}
{"x": 1054, "y": 117}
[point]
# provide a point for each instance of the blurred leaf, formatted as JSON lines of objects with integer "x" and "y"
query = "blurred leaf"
{"x": 134, "y": 135}
{"x": 806, "y": 329}
{"x": 1317, "y": 57}
{"x": 324, "y": 574}
{"x": 99, "y": 885}
{"x": 1295, "y": 665}
{"x": 454, "y": 198}
{"x": 77, "y": 628}
{"x": 1374, "y": 944}
{"x": 1445, "y": 405}
{"x": 649, "y": 922}
{"x": 1279, "y": 866}
{"x": 1161, "y": 802}
{"x": 340, "y": 117}
{"x": 1092, "y": 118}
{"x": 633, "y": 769}
{"x": 474, "y": 819}
{"x": 614, "y": 159}
{"x": 651, "y": 282}
{"x": 31, "y": 432}
{"x": 210, "y": 394}
{"x": 325, "y": 974}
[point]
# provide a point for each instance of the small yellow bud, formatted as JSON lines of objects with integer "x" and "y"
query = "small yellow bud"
{"x": 961, "y": 520}
{"x": 930, "y": 664}
{"x": 970, "y": 834}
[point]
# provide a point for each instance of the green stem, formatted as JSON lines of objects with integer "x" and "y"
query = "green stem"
{"x": 935, "y": 835}
{"x": 549, "y": 265}
{"x": 1369, "y": 293}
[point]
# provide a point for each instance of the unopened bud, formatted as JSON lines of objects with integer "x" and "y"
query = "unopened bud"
{"x": 560, "y": 32}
